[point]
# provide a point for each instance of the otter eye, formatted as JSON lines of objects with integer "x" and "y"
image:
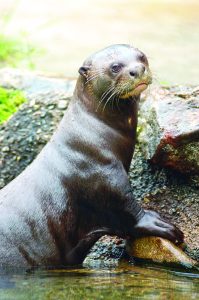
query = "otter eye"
{"x": 115, "y": 68}
{"x": 143, "y": 58}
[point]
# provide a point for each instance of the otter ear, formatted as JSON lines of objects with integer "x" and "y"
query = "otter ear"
{"x": 84, "y": 71}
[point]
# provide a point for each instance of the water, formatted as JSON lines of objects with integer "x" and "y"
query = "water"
{"x": 127, "y": 282}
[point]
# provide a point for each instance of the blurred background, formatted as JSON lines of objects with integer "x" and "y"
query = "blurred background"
{"x": 55, "y": 36}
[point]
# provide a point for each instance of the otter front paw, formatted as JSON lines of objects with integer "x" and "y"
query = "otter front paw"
{"x": 151, "y": 223}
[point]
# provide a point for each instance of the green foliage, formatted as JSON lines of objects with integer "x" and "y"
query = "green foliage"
{"x": 165, "y": 83}
{"x": 10, "y": 100}
{"x": 14, "y": 51}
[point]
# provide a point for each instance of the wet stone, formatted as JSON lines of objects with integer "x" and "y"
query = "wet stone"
{"x": 159, "y": 250}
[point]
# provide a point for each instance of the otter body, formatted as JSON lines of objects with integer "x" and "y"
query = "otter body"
{"x": 77, "y": 188}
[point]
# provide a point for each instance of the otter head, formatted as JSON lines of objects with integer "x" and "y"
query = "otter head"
{"x": 117, "y": 72}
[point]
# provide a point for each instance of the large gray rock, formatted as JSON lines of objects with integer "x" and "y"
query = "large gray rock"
{"x": 37, "y": 87}
{"x": 23, "y": 136}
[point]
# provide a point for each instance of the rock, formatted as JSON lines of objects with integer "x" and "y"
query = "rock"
{"x": 170, "y": 128}
{"x": 37, "y": 87}
{"x": 174, "y": 195}
{"x": 169, "y": 193}
{"x": 107, "y": 252}
{"x": 5, "y": 149}
{"x": 159, "y": 250}
{"x": 26, "y": 132}
{"x": 62, "y": 104}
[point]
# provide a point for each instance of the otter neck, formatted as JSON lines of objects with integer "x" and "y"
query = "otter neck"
{"x": 120, "y": 115}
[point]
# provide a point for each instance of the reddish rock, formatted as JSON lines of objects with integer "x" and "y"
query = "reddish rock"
{"x": 169, "y": 128}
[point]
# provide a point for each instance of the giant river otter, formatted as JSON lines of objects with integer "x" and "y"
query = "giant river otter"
{"x": 77, "y": 189}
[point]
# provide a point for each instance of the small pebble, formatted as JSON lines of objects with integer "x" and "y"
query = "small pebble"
{"x": 62, "y": 104}
{"x": 5, "y": 149}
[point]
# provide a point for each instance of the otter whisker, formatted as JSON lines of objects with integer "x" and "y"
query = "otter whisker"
{"x": 125, "y": 88}
{"x": 109, "y": 90}
{"x": 94, "y": 74}
{"x": 109, "y": 98}
{"x": 118, "y": 99}
{"x": 91, "y": 78}
{"x": 112, "y": 102}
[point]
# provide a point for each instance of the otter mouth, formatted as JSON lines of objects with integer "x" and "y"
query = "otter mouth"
{"x": 141, "y": 86}
{"x": 136, "y": 90}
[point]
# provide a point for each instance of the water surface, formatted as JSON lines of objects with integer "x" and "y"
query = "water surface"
{"x": 127, "y": 282}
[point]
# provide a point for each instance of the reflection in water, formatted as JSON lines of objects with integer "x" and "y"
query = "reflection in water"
{"x": 129, "y": 282}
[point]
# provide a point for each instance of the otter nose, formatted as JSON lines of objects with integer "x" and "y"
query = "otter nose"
{"x": 137, "y": 71}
